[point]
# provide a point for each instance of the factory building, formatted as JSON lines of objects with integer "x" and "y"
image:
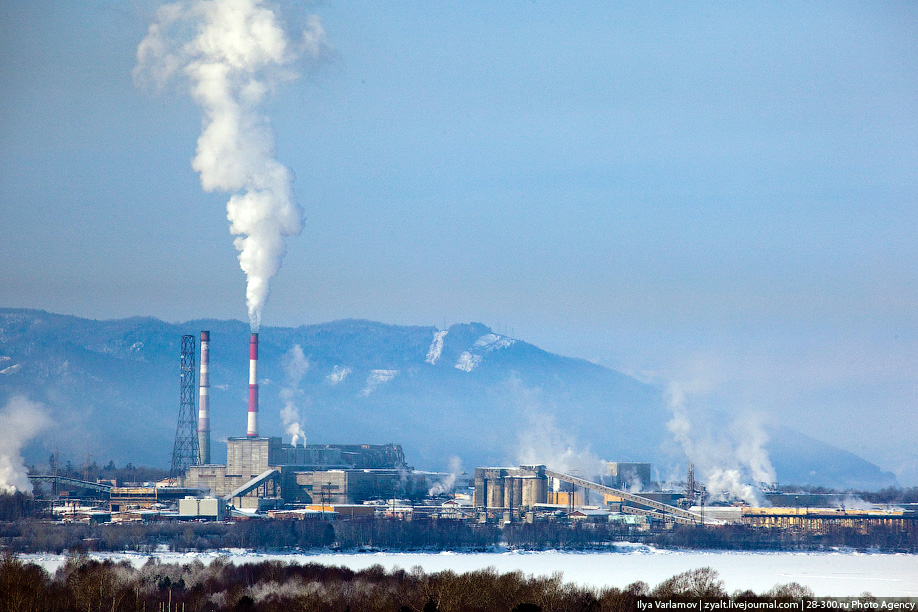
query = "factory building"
{"x": 522, "y": 489}
{"x": 333, "y": 473}
{"x": 628, "y": 476}
{"x": 209, "y": 508}
{"x": 352, "y": 486}
{"x": 826, "y": 520}
{"x": 511, "y": 488}
{"x": 527, "y": 486}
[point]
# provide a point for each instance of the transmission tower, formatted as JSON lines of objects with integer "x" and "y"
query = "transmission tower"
{"x": 185, "y": 451}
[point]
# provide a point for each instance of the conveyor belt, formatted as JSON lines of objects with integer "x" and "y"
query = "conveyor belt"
{"x": 677, "y": 514}
{"x": 252, "y": 484}
{"x": 73, "y": 482}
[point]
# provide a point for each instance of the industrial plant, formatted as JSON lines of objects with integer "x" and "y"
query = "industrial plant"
{"x": 263, "y": 473}
{"x": 265, "y": 477}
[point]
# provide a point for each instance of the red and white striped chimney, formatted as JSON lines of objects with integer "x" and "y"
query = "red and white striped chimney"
{"x": 204, "y": 402}
{"x": 252, "y": 431}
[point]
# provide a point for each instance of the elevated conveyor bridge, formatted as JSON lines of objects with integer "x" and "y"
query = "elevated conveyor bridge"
{"x": 66, "y": 481}
{"x": 658, "y": 509}
{"x": 267, "y": 479}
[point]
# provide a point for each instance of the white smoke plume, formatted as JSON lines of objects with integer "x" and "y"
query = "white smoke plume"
{"x": 634, "y": 484}
{"x": 20, "y": 421}
{"x": 732, "y": 461}
{"x": 750, "y": 448}
{"x": 233, "y": 53}
{"x": 853, "y": 502}
{"x": 442, "y": 487}
{"x": 295, "y": 366}
{"x": 543, "y": 442}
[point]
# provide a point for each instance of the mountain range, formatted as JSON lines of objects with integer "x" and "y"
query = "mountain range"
{"x": 463, "y": 396}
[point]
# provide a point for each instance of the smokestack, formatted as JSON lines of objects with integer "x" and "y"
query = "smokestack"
{"x": 252, "y": 431}
{"x": 204, "y": 403}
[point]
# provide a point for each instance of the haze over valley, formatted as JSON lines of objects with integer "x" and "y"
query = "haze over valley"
{"x": 455, "y": 399}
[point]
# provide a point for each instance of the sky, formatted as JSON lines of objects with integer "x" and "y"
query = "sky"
{"x": 718, "y": 195}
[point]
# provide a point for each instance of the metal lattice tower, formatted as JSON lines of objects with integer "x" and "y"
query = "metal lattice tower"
{"x": 185, "y": 452}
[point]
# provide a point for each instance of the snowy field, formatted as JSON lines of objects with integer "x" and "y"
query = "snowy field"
{"x": 828, "y": 574}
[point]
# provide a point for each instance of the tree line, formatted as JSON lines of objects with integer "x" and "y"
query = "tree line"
{"x": 91, "y": 471}
{"x": 35, "y": 536}
{"x": 83, "y": 584}
{"x": 547, "y": 536}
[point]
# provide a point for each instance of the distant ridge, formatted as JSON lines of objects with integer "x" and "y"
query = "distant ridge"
{"x": 112, "y": 390}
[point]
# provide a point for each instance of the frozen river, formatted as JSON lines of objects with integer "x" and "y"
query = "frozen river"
{"x": 828, "y": 574}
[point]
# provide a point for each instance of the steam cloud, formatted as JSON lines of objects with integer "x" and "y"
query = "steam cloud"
{"x": 445, "y": 486}
{"x": 20, "y": 421}
{"x": 736, "y": 463}
{"x": 233, "y": 53}
{"x": 295, "y": 367}
{"x": 543, "y": 441}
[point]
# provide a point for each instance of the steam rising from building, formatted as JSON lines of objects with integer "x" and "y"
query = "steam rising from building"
{"x": 20, "y": 421}
{"x": 233, "y": 53}
{"x": 733, "y": 461}
{"x": 447, "y": 484}
{"x": 543, "y": 441}
{"x": 295, "y": 367}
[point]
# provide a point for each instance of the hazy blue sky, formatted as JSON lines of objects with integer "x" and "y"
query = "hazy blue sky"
{"x": 722, "y": 194}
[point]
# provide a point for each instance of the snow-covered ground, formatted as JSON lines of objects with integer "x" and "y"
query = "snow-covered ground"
{"x": 828, "y": 574}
